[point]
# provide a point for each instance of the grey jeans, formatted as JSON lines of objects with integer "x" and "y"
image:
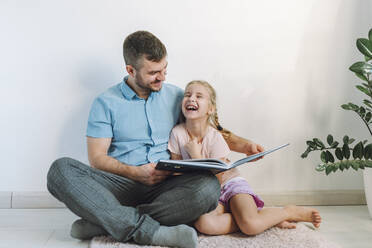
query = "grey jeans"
{"x": 127, "y": 209}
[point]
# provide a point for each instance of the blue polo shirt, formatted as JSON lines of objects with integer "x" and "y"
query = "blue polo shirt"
{"x": 139, "y": 128}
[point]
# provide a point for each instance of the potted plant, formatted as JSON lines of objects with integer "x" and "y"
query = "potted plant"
{"x": 340, "y": 156}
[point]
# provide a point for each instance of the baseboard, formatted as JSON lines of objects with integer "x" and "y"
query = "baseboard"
{"x": 5, "y": 199}
{"x": 314, "y": 198}
{"x": 35, "y": 199}
{"x": 19, "y": 200}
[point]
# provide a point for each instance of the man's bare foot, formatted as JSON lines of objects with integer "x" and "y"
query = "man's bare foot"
{"x": 286, "y": 225}
{"x": 304, "y": 214}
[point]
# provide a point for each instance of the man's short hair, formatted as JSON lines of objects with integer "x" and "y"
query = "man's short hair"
{"x": 142, "y": 43}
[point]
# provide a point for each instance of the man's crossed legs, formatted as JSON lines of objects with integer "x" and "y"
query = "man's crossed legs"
{"x": 127, "y": 210}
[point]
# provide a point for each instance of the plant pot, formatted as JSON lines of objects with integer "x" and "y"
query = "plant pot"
{"x": 367, "y": 177}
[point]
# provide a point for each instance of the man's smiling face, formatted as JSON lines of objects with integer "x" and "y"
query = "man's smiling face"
{"x": 151, "y": 75}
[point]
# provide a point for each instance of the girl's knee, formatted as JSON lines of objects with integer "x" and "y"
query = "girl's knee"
{"x": 250, "y": 227}
{"x": 206, "y": 224}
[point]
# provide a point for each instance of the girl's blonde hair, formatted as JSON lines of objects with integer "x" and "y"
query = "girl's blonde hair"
{"x": 212, "y": 118}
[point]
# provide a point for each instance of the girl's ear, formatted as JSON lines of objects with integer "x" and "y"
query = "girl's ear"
{"x": 211, "y": 110}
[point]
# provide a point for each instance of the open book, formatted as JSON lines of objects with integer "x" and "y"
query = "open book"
{"x": 214, "y": 165}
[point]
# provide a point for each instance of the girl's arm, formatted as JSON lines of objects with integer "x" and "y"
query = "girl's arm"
{"x": 239, "y": 144}
{"x": 176, "y": 156}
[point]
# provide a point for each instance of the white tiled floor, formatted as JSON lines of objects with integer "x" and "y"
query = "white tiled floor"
{"x": 349, "y": 226}
{"x": 37, "y": 228}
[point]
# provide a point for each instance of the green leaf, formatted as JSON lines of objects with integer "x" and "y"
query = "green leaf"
{"x": 345, "y": 106}
{"x": 304, "y": 155}
{"x": 346, "y": 139}
{"x": 329, "y": 139}
{"x": 342, "y": 166}
{"x": 334, "y": 144}
{"x": 368, "y": 103}
{"x": 363, "y": 89}
{"x": 361, "y": 76}
{"x": 320, "y": 167}
{"x": 361, "y": 164}
{"x": 361, "y": 67}
{"x": 354, "y": 165}
{"x": 364, "y": 46}
{"x": 358, "y": 151}
{"x": 368, "y": 163}
{"x": 353, "y": 106}
{"x": 365, "y": 141}
{"x": 330, "y": 157}
{"x": 338, "y": 153}
{"x": 329, "y": 169}
{"x": 335, "y": 167}
{"x": 370, "y": 34}
{"x": 346, "y": 151}
{"x": 347, "y": 164}
{"x": 362, "y": 110}
{"x": 368, "y": 116}
{"x": 368, "y": 151}
{"x": 323, "y": 157}
{"x": 319, "y": 143}
{"x": 351, "y": 141}
{"x": 311, "y": 144}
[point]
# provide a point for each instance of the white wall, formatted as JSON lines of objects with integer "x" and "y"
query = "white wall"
{"x": 279, "y": 67}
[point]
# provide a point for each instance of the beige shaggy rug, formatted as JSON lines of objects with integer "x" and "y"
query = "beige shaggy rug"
{"x": 275, "y": 237}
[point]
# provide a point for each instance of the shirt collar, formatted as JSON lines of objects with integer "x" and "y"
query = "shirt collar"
{"x": 128, "y": 93}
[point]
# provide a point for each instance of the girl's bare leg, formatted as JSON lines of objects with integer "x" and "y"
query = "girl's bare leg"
{"x": 286, "y": 225}
{"x": 217, "y": 222}
{"x": 252, "y": 222}
{"x": 304, "y": 214}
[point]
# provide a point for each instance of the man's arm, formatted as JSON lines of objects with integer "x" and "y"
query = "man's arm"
{"x": 98, "y": 158}
{"x": 239, "y": 144}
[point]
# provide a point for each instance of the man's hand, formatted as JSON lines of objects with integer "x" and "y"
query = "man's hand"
{"x": 251, "y": 148}
{"x": 194, "y": 148}
{"x": 148, "y": 175}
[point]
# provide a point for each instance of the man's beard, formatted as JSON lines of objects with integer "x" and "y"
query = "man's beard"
{"x": 145, "y": 87}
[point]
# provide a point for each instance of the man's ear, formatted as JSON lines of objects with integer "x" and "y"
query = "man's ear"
{"x": 131, "y": 70}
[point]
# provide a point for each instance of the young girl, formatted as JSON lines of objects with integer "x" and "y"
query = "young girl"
{"x": 239, "y": 208}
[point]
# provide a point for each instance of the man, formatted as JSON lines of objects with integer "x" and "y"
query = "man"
{"x": 122, "y": 194}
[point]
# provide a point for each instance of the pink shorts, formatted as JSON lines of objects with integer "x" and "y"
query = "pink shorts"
{"x": 238, "y": 185}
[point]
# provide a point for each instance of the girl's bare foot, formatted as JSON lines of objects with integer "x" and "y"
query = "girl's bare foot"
{"x": 305, "y": 214}
{"x": 286, "y": 225}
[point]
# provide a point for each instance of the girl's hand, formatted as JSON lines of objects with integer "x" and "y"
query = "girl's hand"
{"x": 253, "y": 148}
{"x": 193, "y": 148}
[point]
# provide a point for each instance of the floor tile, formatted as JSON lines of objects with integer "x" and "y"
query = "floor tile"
{"x": 13, "y": 237}
{"x": 61, "y": 238}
